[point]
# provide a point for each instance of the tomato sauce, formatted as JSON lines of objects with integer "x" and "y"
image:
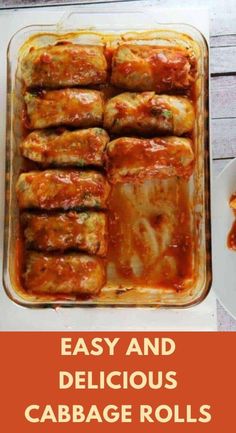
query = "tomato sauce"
{"x": 152, "y": 157}
{"x": 154, "y": 68}
{"x": 65, "y": 189}
{"x": 231, "y": 241}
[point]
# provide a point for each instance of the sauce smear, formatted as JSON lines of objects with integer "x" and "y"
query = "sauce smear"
{"x": 232, "y": 237}
{"x": 232, "y": 234}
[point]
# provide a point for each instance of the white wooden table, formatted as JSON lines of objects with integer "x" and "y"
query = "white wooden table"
{"x": 223, "y": 79}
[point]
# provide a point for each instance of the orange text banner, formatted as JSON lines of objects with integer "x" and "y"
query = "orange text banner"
{"x": 98, "y": 382}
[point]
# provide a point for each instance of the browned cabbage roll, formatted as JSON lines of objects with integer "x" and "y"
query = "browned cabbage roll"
{"x": 72, "y": 107}
{"x": 86, "y": 231}
{"x": 62, "y": 147}
{"x": 149, "y": 114}
{"x": 63, "y": 274}
{"x": 62, "y": 189}
{"x": 64, "y": 65}
{"x": 143, "y": 68}
{"x": 136, "y": 159}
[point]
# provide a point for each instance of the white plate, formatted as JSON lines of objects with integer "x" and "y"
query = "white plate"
{"x": 224, "y": 259}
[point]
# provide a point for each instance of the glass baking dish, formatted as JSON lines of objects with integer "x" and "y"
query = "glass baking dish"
{"x": 95, "y": 28}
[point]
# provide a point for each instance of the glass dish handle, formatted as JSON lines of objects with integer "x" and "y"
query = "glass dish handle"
{"x": 84, "y": 18}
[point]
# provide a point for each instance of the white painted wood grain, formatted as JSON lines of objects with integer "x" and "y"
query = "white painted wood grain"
{"x": 223, "y": 60}
{"x": 223, "y": 135}
{"x": 223, "y": 97}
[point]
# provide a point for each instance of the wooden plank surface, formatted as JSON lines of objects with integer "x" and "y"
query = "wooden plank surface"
{"x": 223, "y": 40}
{"x": 223, "y": 60}
{"x": 223, "y": 97}
{"x": 7, "y": 4}
{"x": 223, "y": 134}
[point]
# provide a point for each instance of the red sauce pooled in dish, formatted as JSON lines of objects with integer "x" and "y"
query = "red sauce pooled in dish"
{"x": 151, "y": 247}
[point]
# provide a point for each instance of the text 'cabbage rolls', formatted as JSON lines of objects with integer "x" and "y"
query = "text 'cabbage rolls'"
{"x": 85, "y": 231}
{"x": 143, "y": 68}
{"x": 64, "y": 65}
{"x": 62, "y": 189}
{"x": 63, "y": 274}
{"x": 62, "y": 147}
{"x": 71, "y": 107}
{"x": 149, "y": 114}
{"x": 136, "y": 159}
